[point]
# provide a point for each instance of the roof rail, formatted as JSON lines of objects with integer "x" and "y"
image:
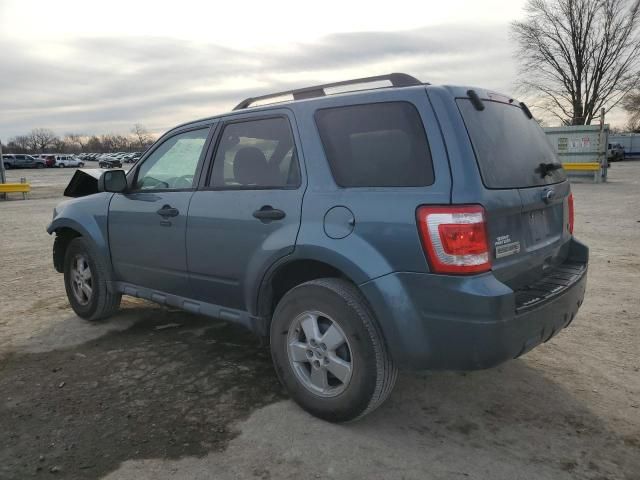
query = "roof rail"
{"x": 396, "y": 79}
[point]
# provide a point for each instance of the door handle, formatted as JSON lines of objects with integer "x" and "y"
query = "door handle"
{"x": 168, "y": 211}
{"x": 268, "y": 213}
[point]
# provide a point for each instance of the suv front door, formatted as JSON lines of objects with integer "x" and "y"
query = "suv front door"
{"x": 147, "y": 224}
{"x": 22, "y": 162}
{"x": 247, "y": 214}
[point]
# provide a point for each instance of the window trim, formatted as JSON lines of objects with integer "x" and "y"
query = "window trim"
{"x": 208, "y": 187}
{"x": 376, "y": 187}
{"x": 196, "y": 176}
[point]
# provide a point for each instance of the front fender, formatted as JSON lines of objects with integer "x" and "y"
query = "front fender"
{"x": 88, "y": 216}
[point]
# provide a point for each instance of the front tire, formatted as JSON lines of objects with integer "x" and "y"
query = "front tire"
{"x": 329, "y": 352}
{"x": 85, "y": 281}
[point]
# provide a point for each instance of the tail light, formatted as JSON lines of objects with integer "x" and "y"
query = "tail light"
{"x": 454, "y": 238}
{"x": 571, "y": 214}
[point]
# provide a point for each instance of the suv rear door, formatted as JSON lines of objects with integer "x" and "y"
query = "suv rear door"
{"x": 524, "y": 189}
{"x": 246, "y": 215}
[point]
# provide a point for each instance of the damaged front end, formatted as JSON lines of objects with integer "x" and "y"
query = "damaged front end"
{"x": 84, "y": 182}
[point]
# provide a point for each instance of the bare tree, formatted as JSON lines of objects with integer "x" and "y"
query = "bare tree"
{"x": 120, "y": 143}
{"x": 76, "y": 139}
{"x": 59, "y": 145}
{"x": 142, "y": 135}
{"x": 94, "y": 144}
{"x": 108, "y": 143}
{"x": 18, "y": 144}
{"x": 41, "y": 138}
{"x": 631, "y": 104}
{"x": 578, "y": 56}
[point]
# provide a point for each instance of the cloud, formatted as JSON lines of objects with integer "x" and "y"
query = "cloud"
{"x": 97, "y": 85}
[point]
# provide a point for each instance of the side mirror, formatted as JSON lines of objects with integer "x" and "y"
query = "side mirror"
{"x": 114, "y": 181}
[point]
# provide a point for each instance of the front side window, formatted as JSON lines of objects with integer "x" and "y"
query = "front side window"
{"x": 376, "y": 145}
{"x": 173, "y": 164}
{"x": 257, "y": 154}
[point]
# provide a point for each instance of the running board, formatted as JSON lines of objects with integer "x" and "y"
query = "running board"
{"x": 258, "y": 325}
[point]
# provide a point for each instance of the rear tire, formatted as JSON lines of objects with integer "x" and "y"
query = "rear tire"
{"x": 85, "y": 281}
{"x": 329, "y": 352}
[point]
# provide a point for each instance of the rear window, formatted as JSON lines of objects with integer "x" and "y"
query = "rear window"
{"x": 376, "y": 145}
{"x": 509, "y": 146}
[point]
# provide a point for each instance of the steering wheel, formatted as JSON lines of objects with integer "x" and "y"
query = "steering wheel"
{"x": 155, "y": 185}
{"x": 185, "y": 180}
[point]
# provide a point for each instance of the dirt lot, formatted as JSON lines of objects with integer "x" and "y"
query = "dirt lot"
{"x": 156, "y": 393}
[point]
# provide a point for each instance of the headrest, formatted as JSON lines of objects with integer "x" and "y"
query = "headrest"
{"x": 250, "y": 166}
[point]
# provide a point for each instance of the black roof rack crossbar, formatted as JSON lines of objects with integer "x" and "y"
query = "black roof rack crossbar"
{"x": 396, "y": 80}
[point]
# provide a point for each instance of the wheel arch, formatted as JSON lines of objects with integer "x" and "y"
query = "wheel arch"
{"x": 67, "y": 228}
{"x": 294, "y": 270}
{"x": 64, "y": 236}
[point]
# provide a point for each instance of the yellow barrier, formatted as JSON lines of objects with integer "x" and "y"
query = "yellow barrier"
{"x": 589, "y": 167}
{"x": 23, "y": 188}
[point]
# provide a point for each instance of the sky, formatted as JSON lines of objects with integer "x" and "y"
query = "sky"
{"x": 100, "y": 67}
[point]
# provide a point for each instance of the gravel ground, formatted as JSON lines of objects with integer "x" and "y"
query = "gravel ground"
{"x": 157, "y": 393}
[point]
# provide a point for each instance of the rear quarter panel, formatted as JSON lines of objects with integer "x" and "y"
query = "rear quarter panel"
{"x": 384, "y": 237}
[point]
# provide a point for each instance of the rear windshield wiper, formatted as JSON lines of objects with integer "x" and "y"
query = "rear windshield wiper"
{"x": 545, "y": 169}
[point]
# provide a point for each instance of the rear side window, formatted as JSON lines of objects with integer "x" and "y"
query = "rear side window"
{"x": 509, "y": 146}
{"x": 255, "y": 154}
{"x": 376, "y": 145}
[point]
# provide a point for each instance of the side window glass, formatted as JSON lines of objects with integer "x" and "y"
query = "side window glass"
{"x": 376, "y": 145}
{"x": 257, "y": 153}
{"x": 173, "y": 164}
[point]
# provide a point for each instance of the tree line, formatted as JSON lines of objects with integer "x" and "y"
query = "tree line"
{"x": 44, "y": 140}
{"x": 578, "y": 57}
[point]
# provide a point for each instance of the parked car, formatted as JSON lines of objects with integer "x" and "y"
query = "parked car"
{"x": 133, "y": 157}
{"x": 409, "y": 227}
{"x": 22, "y": 161}
{"x": 615, "y": 152}
{"x": 63, "y": 161}
{"x": 49, "y": 159}
{"x": 108, "y": 162}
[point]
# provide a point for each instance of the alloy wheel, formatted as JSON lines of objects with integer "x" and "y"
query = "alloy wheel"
{"x": 81, "y": 279}
{"x": 320, "y": 354}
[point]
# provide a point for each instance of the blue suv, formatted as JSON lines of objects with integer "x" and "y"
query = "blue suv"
{"x": 361, "y": 230}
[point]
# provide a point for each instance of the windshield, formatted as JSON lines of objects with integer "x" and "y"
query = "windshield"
{"x": 510, "y": 147}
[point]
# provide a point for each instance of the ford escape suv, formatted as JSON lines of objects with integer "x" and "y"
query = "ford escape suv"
{"x": 361, "y": 230}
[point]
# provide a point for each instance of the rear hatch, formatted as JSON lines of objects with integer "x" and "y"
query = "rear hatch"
{"x": 525, "y": 188}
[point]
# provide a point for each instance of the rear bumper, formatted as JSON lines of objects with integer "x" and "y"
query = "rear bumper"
{"x": 465, "y": 323}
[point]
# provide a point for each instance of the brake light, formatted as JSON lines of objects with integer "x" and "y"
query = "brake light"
{"x": 454, "y": 238}
{"x": 571, "y": 214}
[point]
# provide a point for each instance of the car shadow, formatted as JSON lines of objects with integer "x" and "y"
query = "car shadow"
{"x": 168, "y": 386}
{"x": 515, "y": 412}
{"x": 173, "y": 385}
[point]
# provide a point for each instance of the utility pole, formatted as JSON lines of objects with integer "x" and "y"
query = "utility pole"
{"x": 603, "y": 147}
{"x": 3, "y": 178}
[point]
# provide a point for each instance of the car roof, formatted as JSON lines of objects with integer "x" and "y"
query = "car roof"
{"x": 320, "y": 96}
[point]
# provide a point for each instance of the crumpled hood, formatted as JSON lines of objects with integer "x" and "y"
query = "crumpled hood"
{"x": 84, "y": 182}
